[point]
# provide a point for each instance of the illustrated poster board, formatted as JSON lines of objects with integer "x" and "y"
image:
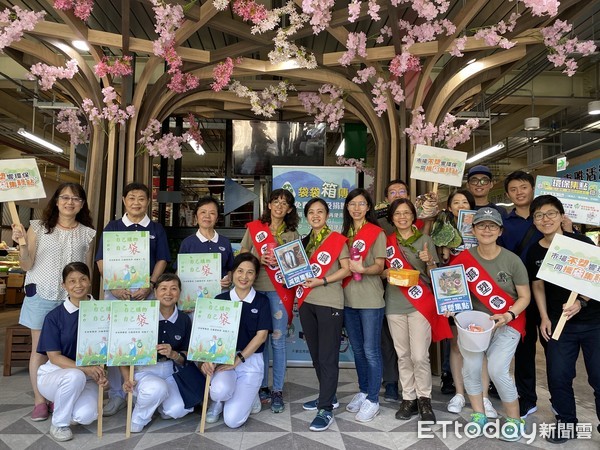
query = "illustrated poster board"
{"x": 450, "y": 289}
{"x": 20, "y": 179}
{"x": 126, "y": 259}
{"x": 465, "y": 228}
{"x": 572, "y": 265}
{"x": 215, "y": 331}
{"x": 438, "y": 165}
{"x": 581, "y": 199}
{"x": 293, "y": 262}
{"x": 92, "y": 332}
{"x": 305, "y": 183}
{"x": 200, "y": 275}
{"x": 133, "y": 333}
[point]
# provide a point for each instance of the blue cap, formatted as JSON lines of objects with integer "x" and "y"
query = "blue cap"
{"x": 483, "y": 170}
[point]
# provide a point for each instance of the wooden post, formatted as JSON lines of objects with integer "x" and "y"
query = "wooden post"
{"x": 205, "y": 404}
{"x": 15, "y": 219}
{"x": 100, "y": 408}
{"x": 563, "y": 318}
{"x": 129, "y": 405}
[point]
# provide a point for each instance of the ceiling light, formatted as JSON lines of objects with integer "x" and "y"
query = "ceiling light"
{"x": 196, "y": 147}
{"x": 486, "y": 152}
{"x": 594, "y": 107}
{"x": 341, "y": 149}
{"x": 531, "y": 123}
{"x": 40, "y": 141}
{"x": 81, "y": 45}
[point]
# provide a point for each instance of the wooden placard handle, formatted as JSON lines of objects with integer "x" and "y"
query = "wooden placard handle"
{"x": 129, "y": 405}
{"x": 100, "y": 408}
{"x": 14, "y": 216}
{"x": 435, "y": 187}
{"x": 563, "y": 318}
{"x": 205, "y": 404}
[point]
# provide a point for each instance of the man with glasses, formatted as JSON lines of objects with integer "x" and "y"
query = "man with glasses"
{"x": 479, "y": 183}
{"x": 395, "y": 189}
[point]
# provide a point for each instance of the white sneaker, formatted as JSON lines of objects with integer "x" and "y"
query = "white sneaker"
{"x": 61, "y": 434}
{"x": 456, "y": 404}
{"x": 114, "y": 405}
{"x": 356, "y": 403}
{"x": 368, "y": 411}
{"x": 490, "y": 411}
{"x": 256, "y": 405}
{"x": 136, "y": 427}
{"x": 214, "y": 412}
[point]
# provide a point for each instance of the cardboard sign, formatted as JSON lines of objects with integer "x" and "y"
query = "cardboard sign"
{"x": 581, "y": 199}
{"x": 215, "y": 331}
{"x": 92, "y": 332}
{"x": 20, "y": 180}
{"x": 126, "y": 259}
{"x": 293, "y": 262}
{"x": 573, "y": 265}
{"x": 450, "y": 289}
{"x": 438, "y": 165}
{"x": 200, "y": 275}
{"x": 133, "y": 333}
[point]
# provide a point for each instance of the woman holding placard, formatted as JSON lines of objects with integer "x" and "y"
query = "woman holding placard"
{"x": 276, "y": 227}
{"x": 410, "y": 310}
{"x": 207, "y": 240}
{"x": 74, "y": 390}
{"x": 498, "y": 281}
{"x": 64, "y": 234}
{"x": 154, "y": 386}
{"x": 364, "y": 307}
{"x": 234, "y": 387}
{"x": 582, "y": 330}
{"x": 321, "y": 307}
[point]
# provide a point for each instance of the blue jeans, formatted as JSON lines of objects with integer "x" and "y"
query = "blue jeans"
{"x": 561, "y": 358}
{"x": 277, "y": 339}
{"x": 364, "y": 330}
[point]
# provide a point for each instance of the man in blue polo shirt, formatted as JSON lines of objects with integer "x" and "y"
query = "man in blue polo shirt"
{"x": 479, "y": 183}
{"x": 136, "y": 198}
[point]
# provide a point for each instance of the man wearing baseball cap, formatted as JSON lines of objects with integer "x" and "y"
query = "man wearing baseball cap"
{"x": 479, "y": 183}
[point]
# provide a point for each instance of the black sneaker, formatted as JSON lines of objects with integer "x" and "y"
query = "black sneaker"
{"x": 493, "y": 392}
{"x": 559, "y": 433}
{"x": 265, "y": 395}
{"x": 525, "y": 409}
{"x": 277, "y": 404}
{"x": 448, "y": 387}
{"x": 408, "y": 408}
{"x": 425, "y": 409}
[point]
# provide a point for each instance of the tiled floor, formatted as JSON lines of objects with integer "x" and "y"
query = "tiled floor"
{"x": 287, "y": 430}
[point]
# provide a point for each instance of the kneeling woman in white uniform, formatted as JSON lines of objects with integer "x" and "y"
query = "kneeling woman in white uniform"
{"x": 234, "y": 388}
{"x": 73, "y": 389}
{"x": 154, "y": 386}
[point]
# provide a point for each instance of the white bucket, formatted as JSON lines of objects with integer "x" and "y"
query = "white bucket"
{"x": 474, "y": 341}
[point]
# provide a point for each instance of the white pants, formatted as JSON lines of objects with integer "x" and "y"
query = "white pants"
{"x": 75, "y": 397}
{"x": 238, "y": 389}
{"x": 156, "y": 388}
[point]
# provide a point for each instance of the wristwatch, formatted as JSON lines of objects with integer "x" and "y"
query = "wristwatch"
{"x": 582, "y": 302}
{"x": 512, "y": 314}
{"x": 241, "y": 356}
{"x": 325, "y": 282}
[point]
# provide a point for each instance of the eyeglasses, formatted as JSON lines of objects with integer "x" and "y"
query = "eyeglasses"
{"x": 357, "y": 204}
{"x": 403, "y": 214}
{"x": 67, "y": 199}
{"x": 539, "y": 216}
{"x": 489, "y": 226}
{"x": 400, "y": 192}
{"x": 479, "y": 181}
{"x": 280, "y": 203}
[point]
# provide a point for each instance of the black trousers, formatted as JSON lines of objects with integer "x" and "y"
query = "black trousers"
{"x": 322, "y": 327}
{"x": 525, "y": 358}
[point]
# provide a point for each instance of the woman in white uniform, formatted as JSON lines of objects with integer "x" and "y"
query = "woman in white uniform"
{"x": 154, "y": 386}
{"x": 73, "y": 389}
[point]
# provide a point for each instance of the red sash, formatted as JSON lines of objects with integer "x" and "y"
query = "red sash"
{"x": 261, "y": 236}
{"x": 322, "y": 260}
{"x": 363, "y": 241}
{"x": 483, "y": 286}
{"x": 419, "y": 296}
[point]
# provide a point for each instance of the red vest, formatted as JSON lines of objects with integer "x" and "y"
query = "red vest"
{"x": 363, "y": 241}
{"x": 261, "y": 236}
{"x": 321, "y": 260}
{"x": 484, "y": 287}
{"x": 419, "y": 296}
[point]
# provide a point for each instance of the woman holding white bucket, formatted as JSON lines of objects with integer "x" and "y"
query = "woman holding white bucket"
{"x": 499, "y": 283}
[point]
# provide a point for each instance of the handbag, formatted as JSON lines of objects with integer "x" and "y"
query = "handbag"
{"x": 190, "y": 382}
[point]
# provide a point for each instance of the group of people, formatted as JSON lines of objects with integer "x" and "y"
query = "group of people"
{"x": 389, "y": 327}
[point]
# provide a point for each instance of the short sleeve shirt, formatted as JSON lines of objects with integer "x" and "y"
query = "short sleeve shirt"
{"x": 175, "y": 330}
{"x": 59, "y": 332}
{"x": 368, "y": 292}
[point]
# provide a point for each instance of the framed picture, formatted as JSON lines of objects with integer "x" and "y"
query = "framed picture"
{"x": 293, "y": 262}
{"x": 450, "y": 289}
